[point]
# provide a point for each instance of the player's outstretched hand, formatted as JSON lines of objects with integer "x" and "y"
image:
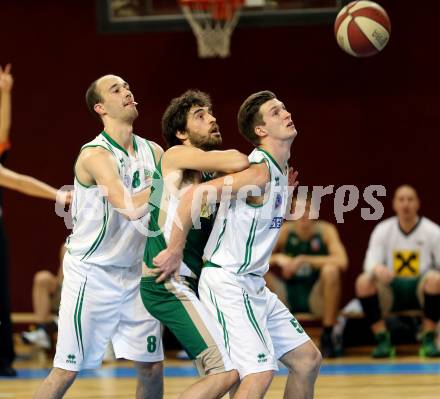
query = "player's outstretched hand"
{"x": 168, "y": 262}
{"x": 6, "y": 79}
{"x": 64, "y": 197}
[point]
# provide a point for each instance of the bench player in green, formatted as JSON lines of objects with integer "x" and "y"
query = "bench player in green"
{"x": 100, "y": 299}
{"x": 312, "y": 258}
{"x": 258, "y": 329}
{"x": 193, "y": 138}
{"x": 401, "y": 272}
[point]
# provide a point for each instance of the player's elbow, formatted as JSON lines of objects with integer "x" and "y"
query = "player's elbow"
{"x": 343, "y": 264}
{"x": 240, "y": 162}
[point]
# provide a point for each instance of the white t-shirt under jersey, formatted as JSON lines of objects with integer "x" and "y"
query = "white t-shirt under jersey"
{"x": 409, "y": 255}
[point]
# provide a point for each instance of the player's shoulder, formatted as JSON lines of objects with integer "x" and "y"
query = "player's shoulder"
{"x": 385, "y": 226}
{"x": 257, "y": 156}
{"x": 429, "y": 225}
{"x": 325, "y": 226}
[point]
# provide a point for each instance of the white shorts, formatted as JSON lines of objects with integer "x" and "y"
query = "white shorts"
{"x": 102, "y": 304}
{"x": 257, "y": 327}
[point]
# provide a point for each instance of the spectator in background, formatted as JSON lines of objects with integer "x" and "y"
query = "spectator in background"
{"x": 27, "y": 185}
{"x": 46, "y": 295}
{"x": 399, "y": 272}
{"x": 306, "y": 268}
{"x": 6, "y": 344}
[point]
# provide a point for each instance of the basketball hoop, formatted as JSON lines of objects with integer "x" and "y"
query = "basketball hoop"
{"x": 212, "y": 22}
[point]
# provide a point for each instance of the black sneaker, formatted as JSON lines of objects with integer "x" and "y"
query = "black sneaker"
{"x": 327, "y": 346}
{"x": 7, "y": 371}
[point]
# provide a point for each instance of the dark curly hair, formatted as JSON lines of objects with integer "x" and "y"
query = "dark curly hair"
{"x": 175, "y": 116}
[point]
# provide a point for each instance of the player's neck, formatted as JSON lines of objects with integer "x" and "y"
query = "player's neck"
{"x": 280, "y": 152}
{"x": 122, "y": 133}
{"x": 408, "y": 224}
{"x": 303, "y": 231}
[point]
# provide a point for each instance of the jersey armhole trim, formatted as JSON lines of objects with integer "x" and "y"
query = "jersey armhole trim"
{"x": 152, "y": 152}
{"x": 74, "y": 165}
{"x": 270, "y": 179}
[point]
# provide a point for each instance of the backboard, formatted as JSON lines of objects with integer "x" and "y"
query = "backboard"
{"x": 165, "y": 15}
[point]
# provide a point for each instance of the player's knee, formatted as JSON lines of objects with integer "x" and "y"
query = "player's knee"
{"x": 305, "y": 360}
{"x": 262, "y": 379}
{"x": 432, "y": 282}
{"x": 63, "y": 377}
{"x": 230, "y": 378}
{"x": 43, "y": 278}
{"x": 330, "y": 272}
{"x": 364, "y": 285}
{"x": 150, "y": 370}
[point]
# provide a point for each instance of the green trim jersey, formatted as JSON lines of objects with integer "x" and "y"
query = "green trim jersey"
{"x": 101, "y": 235}
{"x": 244, "y": 235}
{"x": 407, "y": 254}
{"x": 163, "y": 208}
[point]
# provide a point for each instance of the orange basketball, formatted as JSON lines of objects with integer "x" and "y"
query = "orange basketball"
{"x": 362, "y": 28}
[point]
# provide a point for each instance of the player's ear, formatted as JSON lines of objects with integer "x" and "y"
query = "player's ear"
{"x": 99, "y": 109}
{"x": 260, "y": 131}
{"x": 181, "y": 135}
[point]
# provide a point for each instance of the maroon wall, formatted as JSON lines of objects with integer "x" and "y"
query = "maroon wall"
{"x": 361, "y": 122}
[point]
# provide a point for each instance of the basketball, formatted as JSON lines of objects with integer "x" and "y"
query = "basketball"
{"x": 362, "y": 28}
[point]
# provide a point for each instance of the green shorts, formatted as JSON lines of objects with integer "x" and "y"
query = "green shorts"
{"x": 176, "y": 305}
{"x": 298, "y": 292}
{"x": 404, "y": 292}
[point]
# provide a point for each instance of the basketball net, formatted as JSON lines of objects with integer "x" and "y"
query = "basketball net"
{"x": 212, "y": 22}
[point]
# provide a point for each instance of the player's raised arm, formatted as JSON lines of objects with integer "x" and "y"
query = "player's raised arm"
{"x": 6, "y": 83}
{"x": 97, "y": 166}
{"x": 186, "y": 157}
{"x": 26, "y": 184}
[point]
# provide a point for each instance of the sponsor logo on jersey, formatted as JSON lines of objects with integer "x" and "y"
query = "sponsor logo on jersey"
{"x": 315, "y": 244}
{"x": 277, "y": 221}
{"x": 278, "y": 200}
{"x": 406, "y": 263}
{"x": 127, "y": 181}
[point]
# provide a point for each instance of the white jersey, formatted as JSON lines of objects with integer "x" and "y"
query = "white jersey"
{"x": 409, "y": 255}
{"x": 244, "y": 235}
{"x": 101, "y": 235}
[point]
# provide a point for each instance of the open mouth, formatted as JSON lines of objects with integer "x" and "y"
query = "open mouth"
{"x": 215, "y": 130}
{"x": 290, "y": 124}
{"x": 130, "y": 103}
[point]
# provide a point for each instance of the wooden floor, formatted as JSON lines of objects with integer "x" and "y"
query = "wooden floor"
{"x": 328, "y": 387}
{"x": 420, "y": 379}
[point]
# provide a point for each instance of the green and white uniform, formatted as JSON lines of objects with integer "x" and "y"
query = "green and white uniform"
{"x": 409, "y": 255}
{"x": 303, "y": 293}
{"x": 175, "y": 303}
{"x": 100, "y": 298}
{"x": 257, "y": 327}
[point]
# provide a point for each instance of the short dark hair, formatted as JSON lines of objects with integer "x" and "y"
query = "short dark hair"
{"x": 175, "y": 116}
{"x": 249, "y": 115}
{"x": 93, "y": 97}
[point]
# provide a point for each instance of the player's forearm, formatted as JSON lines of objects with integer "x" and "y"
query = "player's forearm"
{"x": 135, "y": 206}
{"x": 183, "y": 222}
{"x": 5, "y": 116}
{"x": 234, "y": 161}
{"x": 33, "y": 187}
{"x": 318, "y": 261}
